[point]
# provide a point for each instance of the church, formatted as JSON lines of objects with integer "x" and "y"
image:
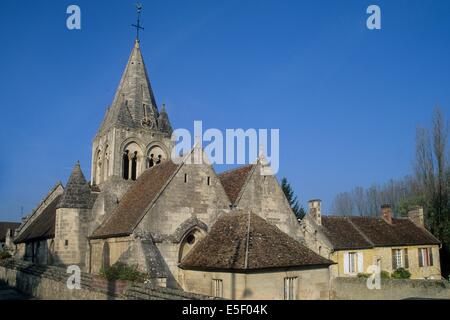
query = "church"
{"x": 230, "y": 235}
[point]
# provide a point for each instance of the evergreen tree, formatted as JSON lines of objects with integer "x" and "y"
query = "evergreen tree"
{"x": 299, "y": 211}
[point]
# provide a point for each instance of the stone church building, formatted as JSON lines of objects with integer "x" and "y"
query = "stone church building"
{"x": 229, "y": 235}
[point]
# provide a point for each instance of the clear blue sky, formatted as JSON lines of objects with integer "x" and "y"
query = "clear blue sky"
{"x": 346, "y": 99}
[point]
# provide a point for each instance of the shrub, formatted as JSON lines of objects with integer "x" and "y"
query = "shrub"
{"x": 385, "y": 275}
{"x": 401, "y": 273}
{"x": 122, "y": 271}
{"x": 4, "y": 255}
{"x": 363, "y": 275}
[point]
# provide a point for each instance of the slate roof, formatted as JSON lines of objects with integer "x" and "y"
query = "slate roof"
{"x": 233, "y": 181}
{"x": 77, "y": 193}
{"x": 4, "y": 226}
{"x": 225, "y": 247}
{"x": 43, "y": 227}
{"x": 133, "y": 204}
{"x": 368, "y": 232}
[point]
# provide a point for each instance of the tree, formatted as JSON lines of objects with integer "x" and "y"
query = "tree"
{"x": 433, "y": 178}
{"x": 298, "y": 210}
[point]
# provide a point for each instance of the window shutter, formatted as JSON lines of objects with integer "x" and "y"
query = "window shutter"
{"x": 431, "y": 256}
{"x": 346, "y": 266}
{"x": 394, "y": 261}
{"x": 406, "y": 259}
{"x": 420, "y": 258}
{"x": 360, "y": 262}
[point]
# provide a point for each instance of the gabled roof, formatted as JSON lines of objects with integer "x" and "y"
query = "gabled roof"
{"x": 234, "y": 180}
{"x": 43, "y": 227}
{"x": 241, "y": 242}
{"x": 132, "y": 206}
{"x": 77, "y": 193}
{"x": 4, "y": 226}
{"x": 368, "y": 232}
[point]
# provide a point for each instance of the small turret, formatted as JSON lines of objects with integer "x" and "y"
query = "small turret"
{"x": 163, "y": 121}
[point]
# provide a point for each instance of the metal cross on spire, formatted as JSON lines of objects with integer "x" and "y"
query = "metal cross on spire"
{"x": 138, "y": 24}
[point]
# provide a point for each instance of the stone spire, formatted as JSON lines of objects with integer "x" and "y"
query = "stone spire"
{"x": 77, "y": 193}
{"x": 134, "y": 104}
{"x": 164, "y": 122}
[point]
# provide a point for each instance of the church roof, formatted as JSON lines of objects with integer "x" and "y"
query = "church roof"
{"x": 368, "y": 232}
{"x": 134, "y": 104}
{"x": 134, "y": 203}
{"x": 239, "y": 241}
{"x": 44, "y": 225}
{"x": 4, "y": 226}
{"x": 234, "y": 180}
{"x": 77, "y": 193}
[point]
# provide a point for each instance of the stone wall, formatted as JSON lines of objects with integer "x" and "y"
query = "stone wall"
{"x": 310, "y": 284}
{"x": 263, "y": 196}
{"x": 356, "y": 289}
{"x": 50, "y": 283}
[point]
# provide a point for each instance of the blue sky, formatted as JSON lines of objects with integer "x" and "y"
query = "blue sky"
{"x": 346, "y": 100}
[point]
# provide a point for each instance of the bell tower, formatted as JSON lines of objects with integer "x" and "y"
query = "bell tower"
{"x": 134, "y": 135}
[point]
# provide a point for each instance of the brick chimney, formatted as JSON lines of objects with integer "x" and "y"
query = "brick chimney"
{"x": 386, "y": 213}
{"x": 415, "y": 214}
{"x": 315, "y": 210}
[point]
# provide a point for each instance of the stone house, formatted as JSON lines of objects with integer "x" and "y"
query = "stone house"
{"x": 355, "y": 243}
{"x": 244, "y": 257}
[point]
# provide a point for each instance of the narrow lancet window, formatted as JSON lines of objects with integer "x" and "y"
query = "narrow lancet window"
{"x": 126, "y": 165}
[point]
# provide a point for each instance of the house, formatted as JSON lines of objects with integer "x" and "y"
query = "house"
{"x": 355, "y": 243}
{"x": 244, "y": 257}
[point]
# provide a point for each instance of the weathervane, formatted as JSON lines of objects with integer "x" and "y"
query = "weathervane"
{"x": 138, "y": 24}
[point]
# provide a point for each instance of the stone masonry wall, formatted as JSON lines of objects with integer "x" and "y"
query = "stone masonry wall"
{"x": 356, "y": 289}
{"x": 50, "y": 283}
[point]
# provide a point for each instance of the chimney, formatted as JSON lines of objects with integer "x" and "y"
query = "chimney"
{"x": 386, "y": 213}
{"x": 415, "y": 214}
{"x": 315, "y": 210}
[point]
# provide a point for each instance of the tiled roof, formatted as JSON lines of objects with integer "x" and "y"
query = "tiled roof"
{"x": 133, "y": 204}
{"x": 4, "y": 226}
{"x": 225, "y": 247}
{"x": 367, "y": 232}
{"x": 44, "y": 225}
{"x": 342, "y": 233}
{"x": 233, "y": 181}
{"x": 401, "y": 232}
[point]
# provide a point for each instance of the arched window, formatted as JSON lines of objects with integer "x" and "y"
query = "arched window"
{"x": 125, "y": 165}
{"x": 156, "y": 155}
{"x": 189, "y": 241}
{"x": 134, "y": 161}
{"x": 151, "y": 160}
{"x": 105, "y": 256}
